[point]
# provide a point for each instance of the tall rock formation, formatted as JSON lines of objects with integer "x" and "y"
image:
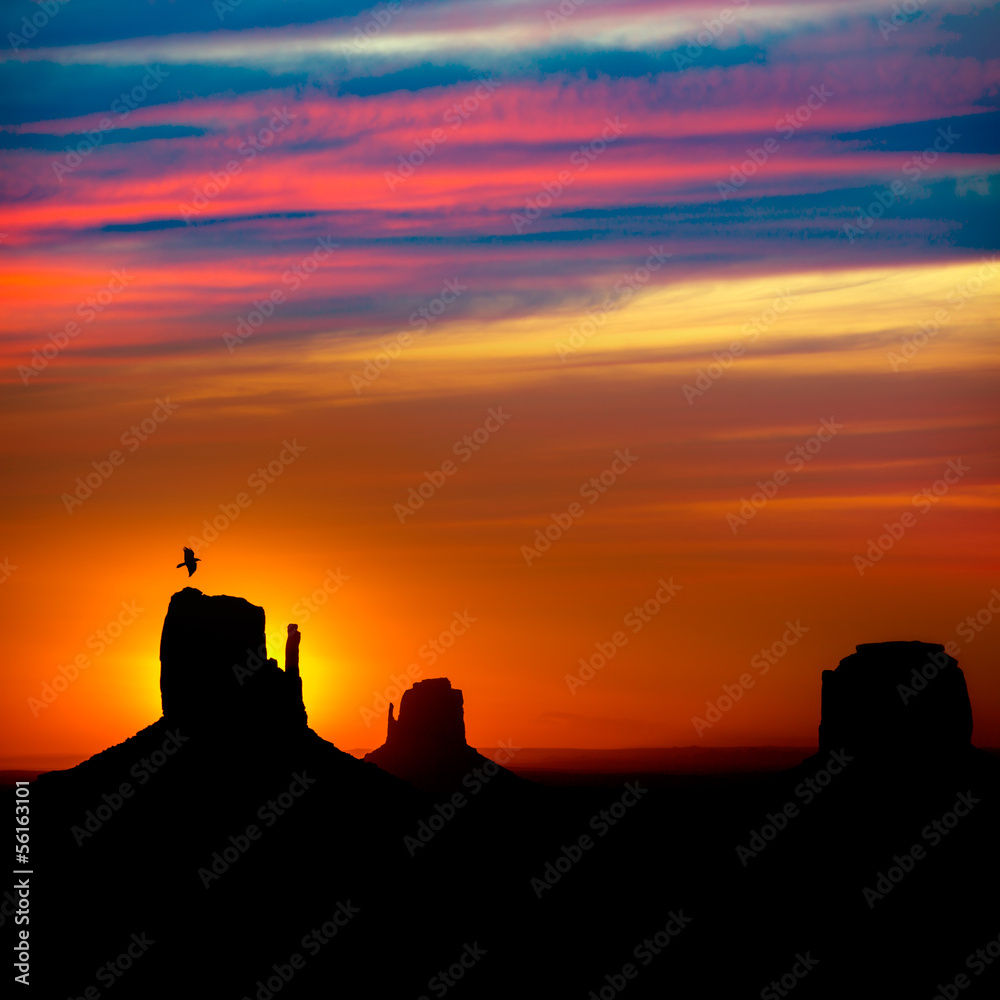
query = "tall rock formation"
{"x": 431, "y": 720}
{"x": 214, "y": 669}
{"x": 426, "y": 745}
{"x": 205, "y": 812}
{"x": 896, "y": 698}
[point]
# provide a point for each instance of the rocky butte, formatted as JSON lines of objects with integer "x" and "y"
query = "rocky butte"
{"x": 229, "y": 835}
{"x": 890, "y": 698}
{"x": 214, "y": 668}
{"x": 426, "y": 745}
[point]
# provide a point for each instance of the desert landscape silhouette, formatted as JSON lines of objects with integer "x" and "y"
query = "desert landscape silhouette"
{"x": 581, "y": 417}
{"x": 254, "y": 859}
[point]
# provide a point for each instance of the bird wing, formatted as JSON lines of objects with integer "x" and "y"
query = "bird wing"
{"x": 188, "y": 553}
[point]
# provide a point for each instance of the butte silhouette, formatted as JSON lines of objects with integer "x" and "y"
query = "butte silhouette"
{"x": 227, "y": 850}
{"x": 426, "y": 745}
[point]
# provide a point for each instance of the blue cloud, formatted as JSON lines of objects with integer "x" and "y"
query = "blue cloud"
{"x": 58, "y": 143}
{"x": 976, "y": 134}
{"x": 41, "y": 91}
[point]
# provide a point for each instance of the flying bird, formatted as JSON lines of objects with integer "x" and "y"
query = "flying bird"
{"x": 189, "y": 560}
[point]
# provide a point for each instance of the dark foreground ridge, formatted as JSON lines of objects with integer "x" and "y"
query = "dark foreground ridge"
{"x": 227, "y": 850}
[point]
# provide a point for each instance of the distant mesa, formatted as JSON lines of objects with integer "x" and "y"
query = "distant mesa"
{"x": 431, "y": 716}
{"x": 214, "y": 668}
{"x": 895, "y": 698}
{"x": 426, "y": 745}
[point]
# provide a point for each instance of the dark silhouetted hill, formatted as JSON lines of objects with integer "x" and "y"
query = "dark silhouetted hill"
{"x": 240, "y": 855}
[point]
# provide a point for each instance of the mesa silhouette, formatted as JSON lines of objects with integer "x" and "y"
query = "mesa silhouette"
{"x": 426, "y": 745}
{"x": 263, "y": 863}
{"x": 896, "y": 697}
{"x": 230, "y": 820}
{"x": 215, "y": 673}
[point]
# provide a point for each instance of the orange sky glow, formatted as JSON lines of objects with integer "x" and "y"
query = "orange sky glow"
{"x": 458, "y": 385}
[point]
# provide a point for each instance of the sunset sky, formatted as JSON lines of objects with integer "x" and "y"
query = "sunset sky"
{"x": 443, "y": 266}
